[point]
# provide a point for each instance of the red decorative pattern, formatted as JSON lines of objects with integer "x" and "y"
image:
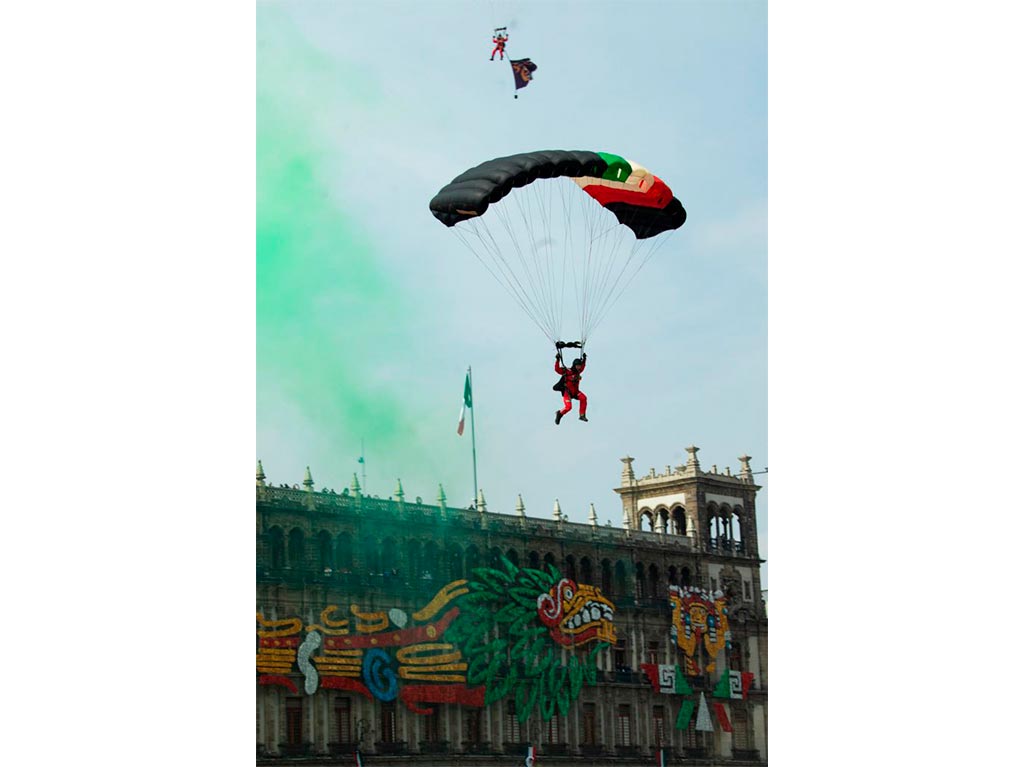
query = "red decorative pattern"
{"x": 277, "y": 679}
{"x": 651, "y": 670}
{"x": 345, "y": 683}
{"x": 440, "y": 693}
{"x": 279, "y": 641}
{"x": 746, "y": 677}
{"x": 428, "y": 633}
{"x": 723, "y": 717}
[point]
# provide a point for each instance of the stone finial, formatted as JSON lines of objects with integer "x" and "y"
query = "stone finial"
{"x": 593, "y": 516}
{"x": 399, "y": 492}
{"x": 668, "y": 470}
{"x": 745, "y": 472}
{"x": 728, "y": 471}
{"x": 659, "y": 523}
{"x": 692, "y": 462}
{"x": 356, "y": 489}
{"x": 442, "y": 500}
{"x": 714, "y": 468}
{"x": 481, "y": 504}
{"x": 260, "y": 476}
{"x": 627, "y": 523}
{"x": 557, "y": 513}
{"x": 627, "y": 470}
{"x": 520, "y": 506}
{"x": 308, "y": 481}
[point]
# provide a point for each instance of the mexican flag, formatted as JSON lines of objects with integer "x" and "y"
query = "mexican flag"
{"x": 467, "y": 401}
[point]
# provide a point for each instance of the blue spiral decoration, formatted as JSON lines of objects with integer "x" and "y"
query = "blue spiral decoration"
{"x": 378, "y": 676}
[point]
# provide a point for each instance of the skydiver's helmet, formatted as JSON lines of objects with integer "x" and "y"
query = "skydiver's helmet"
{"x": 577, "y": 362}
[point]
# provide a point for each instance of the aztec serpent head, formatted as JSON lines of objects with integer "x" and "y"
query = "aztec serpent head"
{"x": 576, "y": 614}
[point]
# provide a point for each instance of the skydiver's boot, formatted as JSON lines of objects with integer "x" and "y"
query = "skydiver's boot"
{"x": 558, "y": 417}
{"x": 583, "y": 418}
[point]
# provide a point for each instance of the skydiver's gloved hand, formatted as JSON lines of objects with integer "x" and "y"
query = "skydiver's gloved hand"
{"x": 584, "y": 356}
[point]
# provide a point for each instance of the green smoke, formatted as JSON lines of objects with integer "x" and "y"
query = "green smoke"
{"x": 322, "y": 302}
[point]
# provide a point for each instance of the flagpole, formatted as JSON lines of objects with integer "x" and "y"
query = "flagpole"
{"x": 472, "y": 426}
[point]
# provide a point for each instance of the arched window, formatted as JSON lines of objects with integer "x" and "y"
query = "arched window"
{"x": 570, "y": 568}
{"x": 620, "y": 578}
{"x": 343, "y": 552}
{"x": 512, "y": 556}
{"x": 325, "y": 550}
{"x": 455, "y": 562}
{"x": 549, "y": 561}
{"x": 737, "y": 532}
{"x": 296, "y": 548}
{"x": 534, "y": 560}
{"x": 472, "y": 560}
{"x": 641, "y": 581}
{"x": 647, "y": 520}
{"x": 654, "y": 582}
{"x": 389, "y": 556}
{"x": 414, "y": 560}
{"x": 494, "y": 559}
{"x": 430, "y": 559}
{"x": 673, "y": 576}
{"x": 371, "y": 556}
{"x": 678, "y": 521}
{"x": 276, "y": 544}
{"x": 586, "y": 571}
{"x": 606, "y": 576}
{"x": 685, "y": 578}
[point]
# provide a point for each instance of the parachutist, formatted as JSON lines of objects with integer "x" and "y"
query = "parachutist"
{"x": 569, "y": 385}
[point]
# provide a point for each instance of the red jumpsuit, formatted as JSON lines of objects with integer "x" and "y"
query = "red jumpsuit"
{"x": 572, "y": 386}
{"x": 499, "y": 47}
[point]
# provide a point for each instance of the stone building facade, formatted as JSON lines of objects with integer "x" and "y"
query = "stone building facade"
{"x": 346, "y": 570}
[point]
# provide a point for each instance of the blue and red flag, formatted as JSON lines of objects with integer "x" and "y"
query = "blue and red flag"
{"x": 522, "y": 71}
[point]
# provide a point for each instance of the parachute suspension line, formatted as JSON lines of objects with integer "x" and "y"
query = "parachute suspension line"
{"x": 542, "y": 203}
{"x": 639, "y": 247}
{"x": 662, "y": 239}
{"x": 563, "y": 186}
{"x": 521, "y": 297}
{"x": 532, "y": 214}
{"x": 534, "y": 295}
{"x": 533, "y": 276}
{"x": 549, "y": 262}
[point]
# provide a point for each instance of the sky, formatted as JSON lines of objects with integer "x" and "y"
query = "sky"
{"x": 369, "y": 311}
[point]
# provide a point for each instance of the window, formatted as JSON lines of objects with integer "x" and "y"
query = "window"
{"x": 590, "y": 724}
{"x": 623, "y": 735}
{"x": 620, "y": 655}
{"x": 293, "y": 721}
{"x": 652, "y": 651}
{"x": 432, "y": 725}
{"x": 512, "y": 732}
{"x": 659, "y": 726}
{"x": 388, "y": 725}
{"x": 474, "y": 730}
{"x": 736, "y": 655}
{"x": 554, "y": 731}
{"x": 746, "y": 590}
{"x": 343, "y": 720}
{"x": 714, "y": 585}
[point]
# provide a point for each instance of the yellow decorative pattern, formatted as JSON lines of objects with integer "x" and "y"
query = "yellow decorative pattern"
{"x": 447, "y": 593}
{"x": 414, "y": 655}
{"x": 328, "y": 626}
{"x": 279, "y": 628}
{"x": 369, "y": 623}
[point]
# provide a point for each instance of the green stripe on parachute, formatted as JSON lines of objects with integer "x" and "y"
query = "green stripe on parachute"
{"x": 618, "y": 168}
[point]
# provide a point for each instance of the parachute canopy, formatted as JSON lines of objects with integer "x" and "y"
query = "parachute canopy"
{"x": 545, "y": 238}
